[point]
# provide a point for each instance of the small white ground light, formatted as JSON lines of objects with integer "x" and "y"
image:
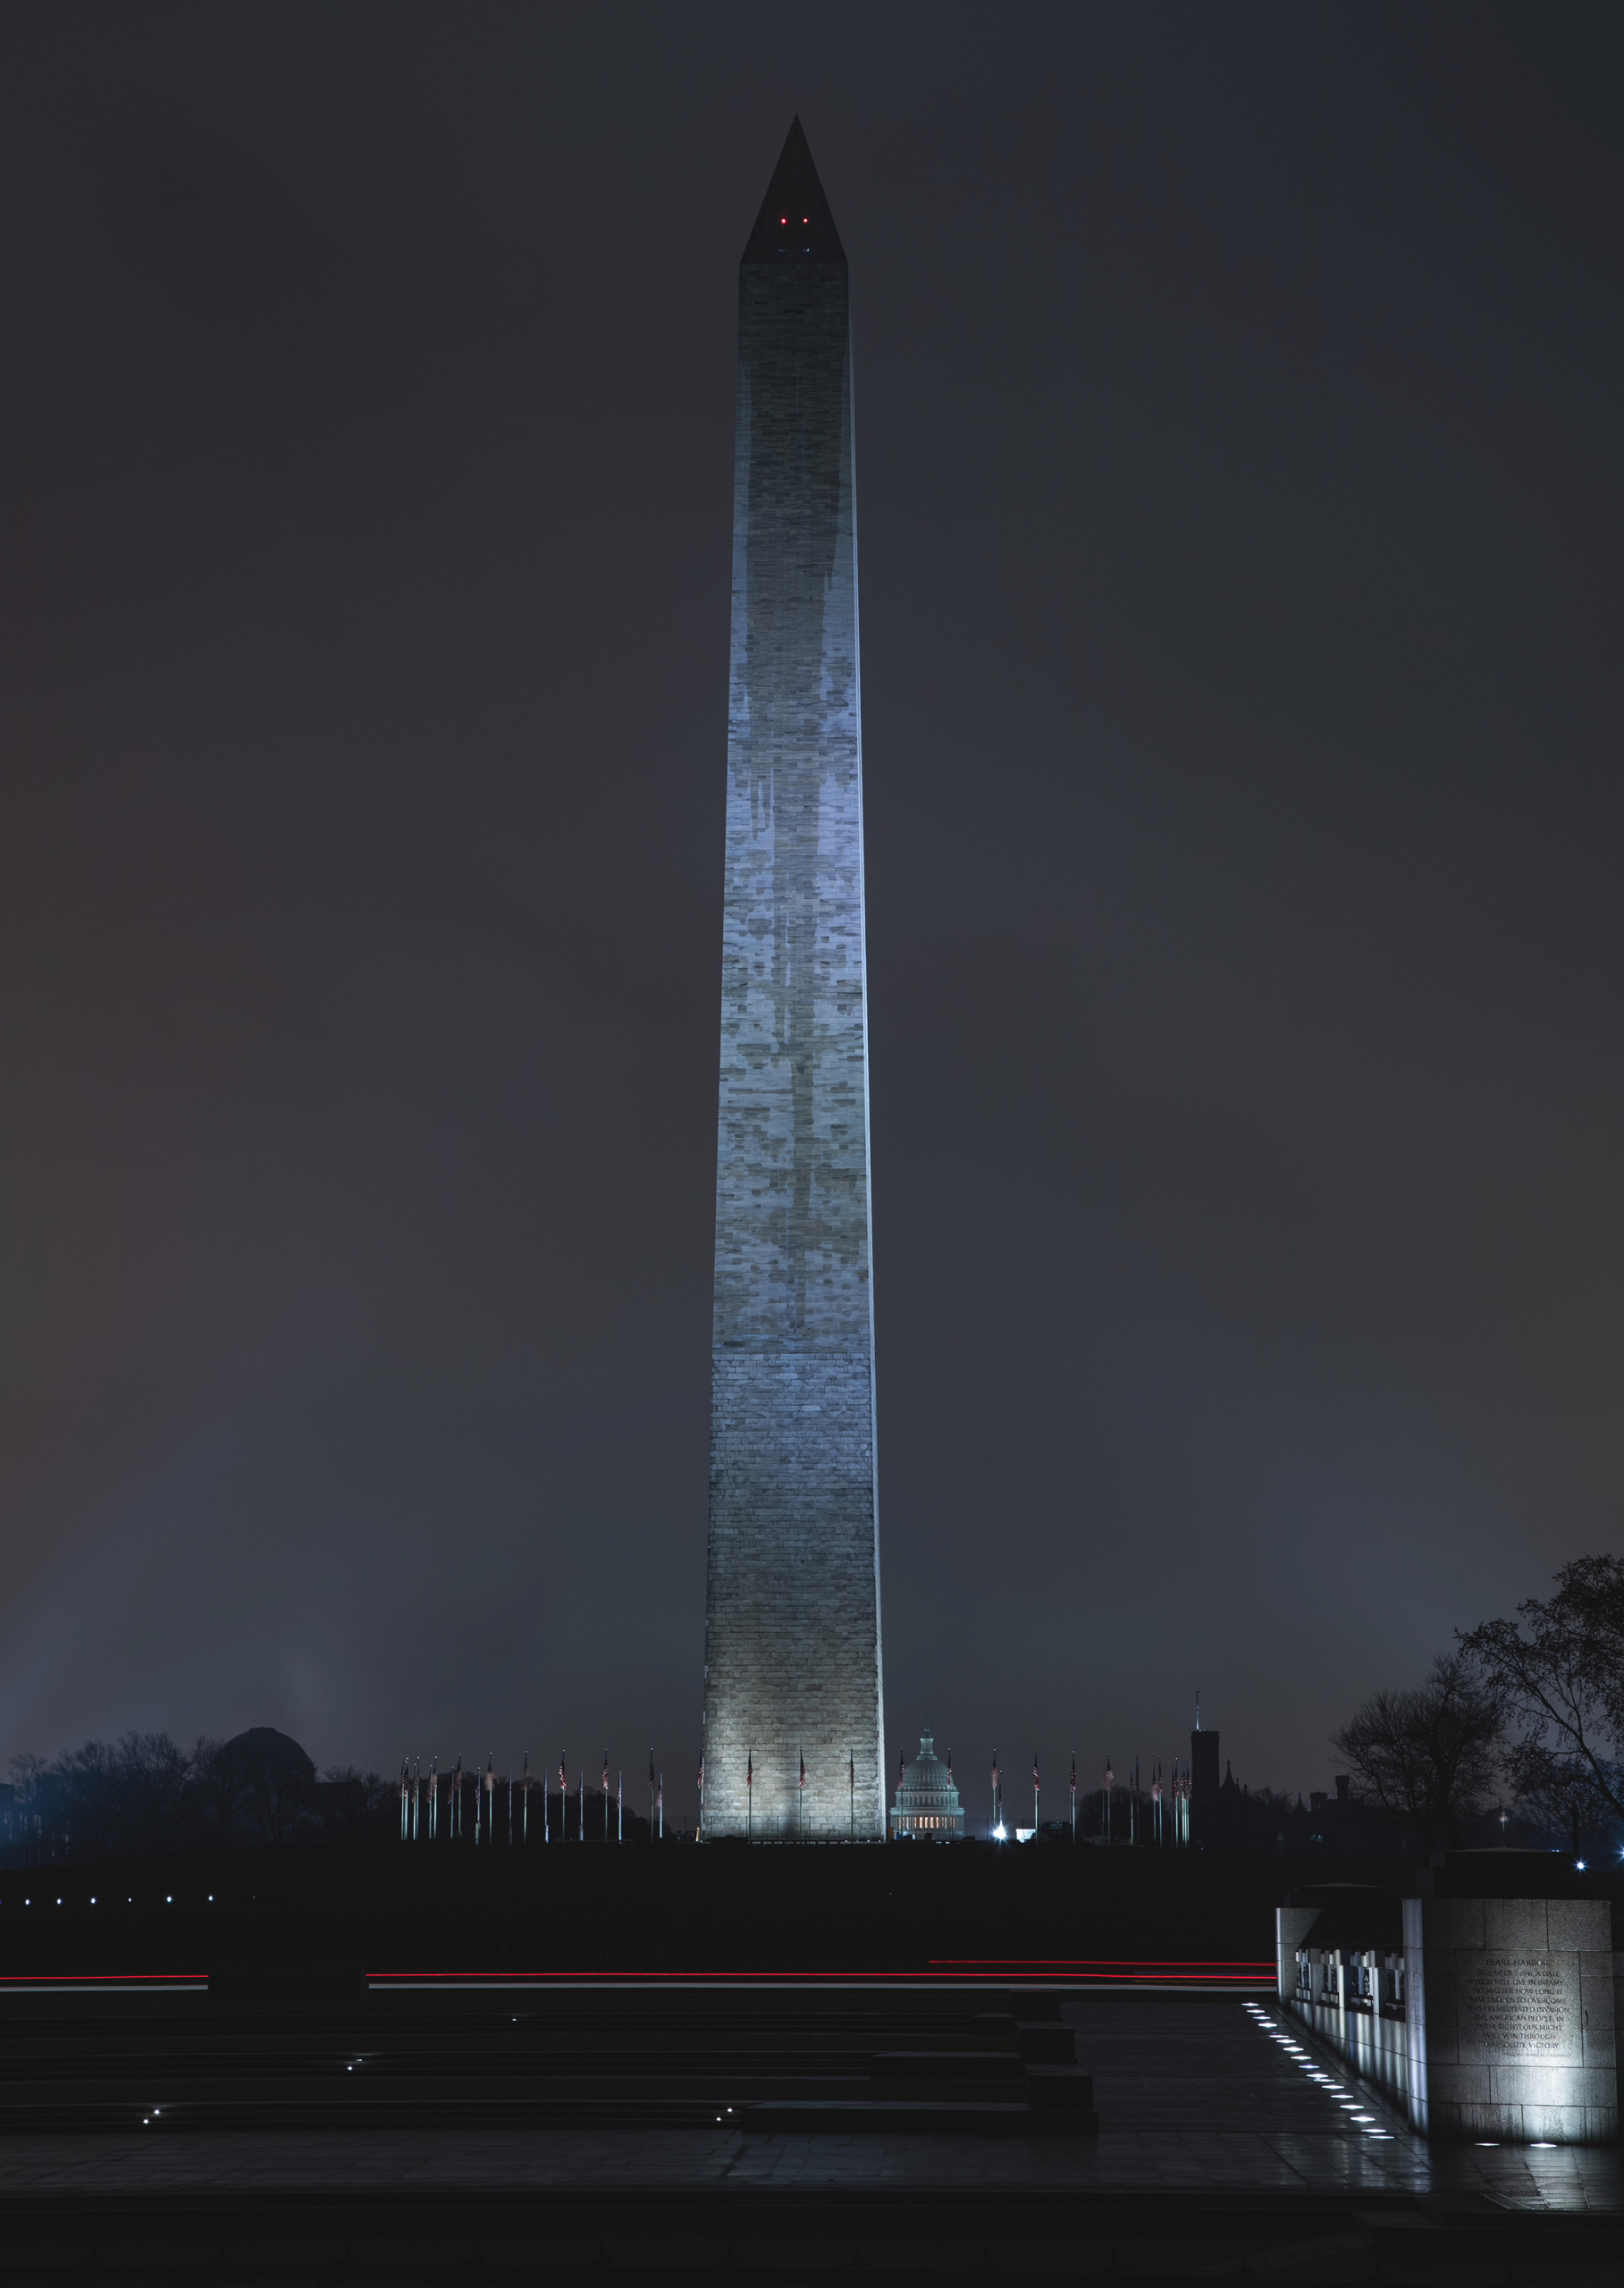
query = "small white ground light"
{"x": 1358, "y": 2118}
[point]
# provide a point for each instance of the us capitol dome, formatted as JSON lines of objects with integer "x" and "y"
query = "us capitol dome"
{"x": 926, "y": 1808}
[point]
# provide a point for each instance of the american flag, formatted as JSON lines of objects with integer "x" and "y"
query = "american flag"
{"x": 606, "y": 1771}
{"x": 1074, "y": 1771}
{"x": 1034, "y": 1767}
{"x": 803, "y": 1771}
{"x": 749, "y": 1769}
{"x": 563, "y": 1783}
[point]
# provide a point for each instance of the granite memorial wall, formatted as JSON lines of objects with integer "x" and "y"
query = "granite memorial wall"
{"x": 1495, "y": 2020}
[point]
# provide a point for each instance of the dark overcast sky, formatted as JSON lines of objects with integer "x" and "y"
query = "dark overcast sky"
{"x": 1238, "y": 399}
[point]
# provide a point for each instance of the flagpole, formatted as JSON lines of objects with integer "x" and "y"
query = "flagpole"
{"x": 619, "y": 1807}
{"x": 1034, "y": 1794}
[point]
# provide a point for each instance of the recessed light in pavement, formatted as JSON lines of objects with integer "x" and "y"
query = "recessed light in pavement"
{"x": 1543, "y": 2144}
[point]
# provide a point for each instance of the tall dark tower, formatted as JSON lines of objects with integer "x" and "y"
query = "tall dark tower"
{"x": 792, "y": 1593}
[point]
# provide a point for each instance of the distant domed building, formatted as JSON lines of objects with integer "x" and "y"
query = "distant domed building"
{"x": 262, "y": 1743}
{"x": 928, "y": 1802}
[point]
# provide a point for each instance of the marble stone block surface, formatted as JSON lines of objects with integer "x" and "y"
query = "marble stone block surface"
{"x": 1509, "y": 2019}
{"x": 794, "y": 1743}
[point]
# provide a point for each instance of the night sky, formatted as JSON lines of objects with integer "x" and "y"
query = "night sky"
{"x": 1237, "y": 405}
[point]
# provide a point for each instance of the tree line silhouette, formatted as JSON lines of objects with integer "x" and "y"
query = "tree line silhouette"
{"x": 144, "y": 1792}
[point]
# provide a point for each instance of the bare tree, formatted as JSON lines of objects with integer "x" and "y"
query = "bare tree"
{"x": 29, "y": 1785}
{"x": 85, "y": 1788}
{"x": 153, "y": 1771}
{"x": 348, "y": 1803}
{"x": 1559, "y": 1669}
{"x": 219, "y": 1791}
{"x": 1428, "y": 1756}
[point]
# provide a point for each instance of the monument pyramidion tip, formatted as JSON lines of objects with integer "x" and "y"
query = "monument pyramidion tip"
{"x": 795, "y": 224}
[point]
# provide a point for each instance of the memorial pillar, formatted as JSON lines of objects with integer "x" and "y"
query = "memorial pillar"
{"x": 1509, "y": 2019}
{"x": 1292, "y": 1925}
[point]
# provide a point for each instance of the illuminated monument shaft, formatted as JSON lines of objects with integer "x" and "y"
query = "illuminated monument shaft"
{"x": 792, "y": 1601}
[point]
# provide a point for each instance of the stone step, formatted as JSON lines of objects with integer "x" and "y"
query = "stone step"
{"x": 946, "y": 2064}
{"x": 892, "y": 2118}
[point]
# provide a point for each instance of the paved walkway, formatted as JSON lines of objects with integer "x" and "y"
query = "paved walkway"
{"x": 1193, "y": 2096}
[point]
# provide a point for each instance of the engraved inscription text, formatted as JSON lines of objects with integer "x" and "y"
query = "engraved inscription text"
{"x": 1518, "y": 2006}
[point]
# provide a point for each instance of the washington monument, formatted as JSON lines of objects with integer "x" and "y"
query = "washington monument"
{"x": 792, "y": 1678}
